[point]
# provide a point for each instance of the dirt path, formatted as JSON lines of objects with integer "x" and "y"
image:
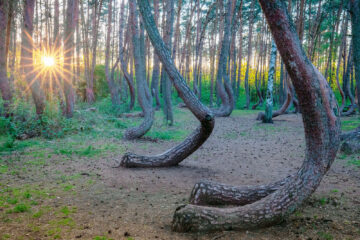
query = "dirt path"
{"x": 79, "y": 195}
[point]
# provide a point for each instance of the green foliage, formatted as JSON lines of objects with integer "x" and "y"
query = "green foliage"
{"x": 20, "y": 208}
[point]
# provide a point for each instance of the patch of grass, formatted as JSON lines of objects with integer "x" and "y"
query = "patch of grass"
{"x": 67, "y": 187}
{"x": 323, "y": 201}
{"x": 166, "y": 133}
{"x": 101, "y": 238}
{"x": 348, "y": 124}
{"x": 20, "y": 208}
{"x": 231, "y": 135}
{"x": 354, "y": 162}
{"x": 5, "y": 236}
{"x": 3, "y": 169}
{"x": 325, "y": 236}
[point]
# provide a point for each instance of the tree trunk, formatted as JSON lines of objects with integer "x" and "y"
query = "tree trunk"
{"x": 156, "y": 64}
{"x": 72, "y": 15}
{"x": 322, "y": 128}
{"x": 346, "y": 79}
{"x": 269, "y": 94}
{"x": 355, "y": 23}
{"x": 95, "y": 26}
{"x": 4, "y": 81}
{"x": 166, "y": 84}
{"x": 27, "y": 57}
{"x": 342, "y": 45}
{"x": 173, "y": 156}
{"x": 144, "y": 98}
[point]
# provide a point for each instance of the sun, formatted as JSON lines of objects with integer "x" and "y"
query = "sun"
{"x": 48, "y": 61}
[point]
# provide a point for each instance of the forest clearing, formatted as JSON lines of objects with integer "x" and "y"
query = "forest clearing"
{"x": 69, "y": 188}
{"x": 179, "y": 119}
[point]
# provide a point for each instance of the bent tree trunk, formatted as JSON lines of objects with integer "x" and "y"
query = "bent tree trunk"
{"x": 178, "y": 153}
{"x": 4, "y": 81}
{"x": 224, "y": 90}
{"x": 322, "y": 128}
{"x": 145, "y": 100}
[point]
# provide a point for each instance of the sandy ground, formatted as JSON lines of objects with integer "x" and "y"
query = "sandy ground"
{"x": 117, "y": 203}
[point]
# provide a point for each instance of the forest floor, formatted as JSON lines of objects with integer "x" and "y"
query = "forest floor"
{"x": 67, "y": 188}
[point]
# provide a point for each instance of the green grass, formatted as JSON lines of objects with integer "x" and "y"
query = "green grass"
{"x": 350, "y": 123}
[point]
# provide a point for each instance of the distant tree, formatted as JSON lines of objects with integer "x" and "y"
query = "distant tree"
{"x": 72, "y": 15}
{"x": 269, "y": 93}
{"x": 143, "y": 92}
{"x": 27, "y": 57}
{"x": 4, "y": 81}
{"x": 249, "y": 53}
{"x": 113, "y": 86}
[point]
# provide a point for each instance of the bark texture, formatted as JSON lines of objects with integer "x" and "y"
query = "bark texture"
{"x": 322, "y": 128}
{"x": 178, "y": 153}
{"x": 355, "y": 23}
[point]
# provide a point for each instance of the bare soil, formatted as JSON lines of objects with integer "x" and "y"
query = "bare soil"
{"x": 80, "y": 195}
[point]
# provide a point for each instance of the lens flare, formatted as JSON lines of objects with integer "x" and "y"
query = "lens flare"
{"x": 48, "y": 61}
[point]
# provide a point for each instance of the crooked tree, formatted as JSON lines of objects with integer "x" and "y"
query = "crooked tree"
{"x": 175, "y": 155}
{"x": 260, "y": 206}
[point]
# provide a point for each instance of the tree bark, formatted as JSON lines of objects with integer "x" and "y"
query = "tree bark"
{"x": 4, "y": 81}
{"x": 175, "y": 155}
{"x": 26, "y": 61}
{"x": 322, "y": 128}
{"x": 355, "y": 23}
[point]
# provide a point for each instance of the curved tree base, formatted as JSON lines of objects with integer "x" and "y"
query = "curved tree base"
{"x": 281, "y": 111}
{"x": 137, "y": 132}
{"x": 176, "y": 154}
{"x": 260, "y": 102}
{"x": 351, "y": 110}
{"x": 133, "y": 115}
